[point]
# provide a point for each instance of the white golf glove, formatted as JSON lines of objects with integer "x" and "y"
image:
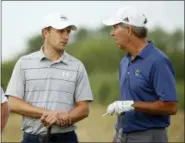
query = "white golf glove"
{"x": 120, "y": 106}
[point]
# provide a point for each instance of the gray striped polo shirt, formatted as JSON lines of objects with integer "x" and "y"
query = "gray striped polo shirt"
{"x": 54, "y": 86}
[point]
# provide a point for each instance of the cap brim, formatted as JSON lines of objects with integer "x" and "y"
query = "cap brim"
{"x": 72, "y": 26}
{"x": 110, "y": 22}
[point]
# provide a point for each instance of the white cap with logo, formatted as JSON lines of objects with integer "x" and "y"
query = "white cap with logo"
{"x": 57, "y": 21}
{"x": 128, "y": 15}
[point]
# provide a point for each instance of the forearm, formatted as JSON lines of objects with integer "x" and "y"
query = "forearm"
{"x": 78, "y": 113}
{"x": 23, "y": 108}
{"x": 157, "y": 107}
{"x": 4, "y": 114}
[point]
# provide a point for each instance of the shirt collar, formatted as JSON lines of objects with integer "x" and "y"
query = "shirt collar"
{"x": 63, "y": 58}
{"x": 144, "y": 52}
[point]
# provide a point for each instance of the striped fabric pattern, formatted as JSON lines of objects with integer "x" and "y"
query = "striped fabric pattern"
{"x": 54, "y": 86}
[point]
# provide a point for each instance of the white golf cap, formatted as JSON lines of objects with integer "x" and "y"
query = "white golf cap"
{"x": 128, "y": 15}
{"x": 57, "y": 21}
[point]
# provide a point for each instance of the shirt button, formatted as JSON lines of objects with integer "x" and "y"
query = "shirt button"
{"x": 128, "y": 72}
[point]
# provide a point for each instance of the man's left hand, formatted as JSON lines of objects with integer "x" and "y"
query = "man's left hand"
{"x": 63, "y": 118}
{"x": 120, "y": 107}
{"x": 55, "y": 117}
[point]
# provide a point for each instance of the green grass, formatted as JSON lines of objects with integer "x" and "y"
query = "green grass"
{"x": 105, "y": 87}
{"x": 95, "y": 128}
{"x": 180, "y": 92}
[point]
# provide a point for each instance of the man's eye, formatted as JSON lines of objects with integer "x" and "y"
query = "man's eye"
{"x": 68, "y": 31}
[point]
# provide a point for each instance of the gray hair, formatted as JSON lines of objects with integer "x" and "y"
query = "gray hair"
{"x": 140, "y": 32}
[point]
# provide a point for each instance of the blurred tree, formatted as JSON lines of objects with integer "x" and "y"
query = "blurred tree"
{"x": 101, "y": 57}
{"x": 34, "y": 44}
{"x": 175, "y": 40}
{"x": 81, "y": 34}
{"x": 6, "y": 72}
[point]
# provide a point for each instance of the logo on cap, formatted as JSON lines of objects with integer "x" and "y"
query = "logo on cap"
{"x": 126, "y": 19}
{"x": 63, "y": 17}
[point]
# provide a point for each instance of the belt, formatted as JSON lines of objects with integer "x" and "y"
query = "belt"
{"x": 44, "y": 138}
{"x": 159, "y": 128}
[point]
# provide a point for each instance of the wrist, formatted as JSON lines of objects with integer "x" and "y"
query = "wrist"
{"x": 133, "y": 105}
{"x": 69, "y": 118}
{"x": 42, "y": 111}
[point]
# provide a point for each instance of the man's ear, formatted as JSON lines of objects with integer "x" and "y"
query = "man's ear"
{"x": 45, "y": 33}
{"x": 129, "y": 31}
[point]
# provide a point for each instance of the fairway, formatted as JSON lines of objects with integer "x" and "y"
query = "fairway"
{"x": 96, "y": 128}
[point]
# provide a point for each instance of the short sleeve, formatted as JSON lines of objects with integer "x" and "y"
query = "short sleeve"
{"x": 83, "y": 90}
{"x": 164, "y": 81}
{"x": 17, "y": 82}
{"x": 3, "y": 98}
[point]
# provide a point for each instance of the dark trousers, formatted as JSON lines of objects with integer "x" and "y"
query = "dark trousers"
{"x": 155, "y": 135}
{"x": 69, "y": 137}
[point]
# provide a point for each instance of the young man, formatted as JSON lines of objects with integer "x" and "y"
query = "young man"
{"x": 4, "y": 110}
{"x": 147, "y": 82}
{"x": 50, "y": 87}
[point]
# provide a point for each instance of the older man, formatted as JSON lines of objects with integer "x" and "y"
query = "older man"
{"x": 50, "y": 87}
{"x": 147, "y": 82}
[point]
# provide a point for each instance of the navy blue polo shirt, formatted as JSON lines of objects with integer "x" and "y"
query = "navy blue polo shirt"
{"x": 149, "y": 77}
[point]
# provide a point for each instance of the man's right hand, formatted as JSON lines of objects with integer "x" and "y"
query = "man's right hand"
{"x": 49, "y": 118}
{"x": 55, "y": 117}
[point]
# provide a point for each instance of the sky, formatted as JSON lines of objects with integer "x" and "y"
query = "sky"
{"x": 21, "y": 19}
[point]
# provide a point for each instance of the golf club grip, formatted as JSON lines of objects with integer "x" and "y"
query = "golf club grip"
{"x": 121, "y": 120}
{"x": 49, "y": 133}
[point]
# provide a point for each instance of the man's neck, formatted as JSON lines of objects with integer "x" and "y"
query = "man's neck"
{"x": 51, "y": 53}
{"x": 136, "y": 48}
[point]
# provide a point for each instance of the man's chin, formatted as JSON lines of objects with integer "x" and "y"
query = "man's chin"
{"x": 60, "y": 49}
{"x": 119, "y": 46}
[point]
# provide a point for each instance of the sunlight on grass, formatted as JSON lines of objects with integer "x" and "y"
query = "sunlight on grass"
{"x": 95, "y": 128}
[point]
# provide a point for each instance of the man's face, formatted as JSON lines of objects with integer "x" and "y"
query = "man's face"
{"x": 57, "y": 38}
{"x": 121, "y": 35}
